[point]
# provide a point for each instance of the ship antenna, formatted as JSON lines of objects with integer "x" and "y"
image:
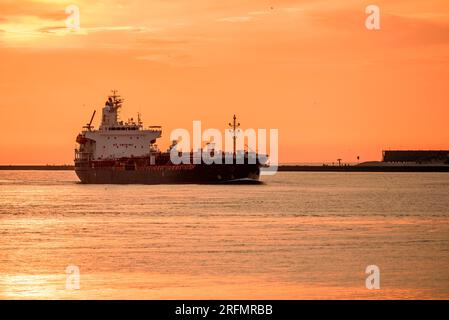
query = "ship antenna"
{"x": 234, "y": 126}
{"x": 139, "y": 120}
{"x": 114, "y": 95}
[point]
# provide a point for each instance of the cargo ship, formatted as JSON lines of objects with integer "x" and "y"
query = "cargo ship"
{"x": 121, "y": 152}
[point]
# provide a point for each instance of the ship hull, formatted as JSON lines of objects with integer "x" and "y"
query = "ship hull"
{"x": 168, "y": 174}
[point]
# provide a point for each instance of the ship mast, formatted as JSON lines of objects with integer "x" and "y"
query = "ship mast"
{"x": 234, "y": 127}
{"x": 116, "y": 99}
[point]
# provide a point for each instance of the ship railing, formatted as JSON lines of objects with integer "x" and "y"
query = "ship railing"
{"x": 82, "y": 156}
{"x": 155, "y": 128}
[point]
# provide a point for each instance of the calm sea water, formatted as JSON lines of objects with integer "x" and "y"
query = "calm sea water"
{"x": 299, "y": 235}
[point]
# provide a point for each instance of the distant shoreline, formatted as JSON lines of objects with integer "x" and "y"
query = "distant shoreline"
{"x": 37, "y": 167}
{"x": 358, "y": 168}
{"x": 282, "y": 168}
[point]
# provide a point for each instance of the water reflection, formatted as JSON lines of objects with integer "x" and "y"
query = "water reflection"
{"x": 299, "y": 235}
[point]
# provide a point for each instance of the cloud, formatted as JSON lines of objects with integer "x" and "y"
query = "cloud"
{"x": 50, "y": 11}
{"x": 145, "y": 41}
{"x": 396, "y": 30}
{"x": 259, "y": 13}
{"x": 292, "y": 9}
{"x": 122, "y": 28}
{"x": 235, "y": 19}
{"x": 85, "y": 30}
{"x": 52, "y": 29}
{"x": 416, "y": 31}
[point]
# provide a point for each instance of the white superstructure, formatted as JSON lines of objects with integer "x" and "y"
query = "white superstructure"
{"x": 116, "y": 139}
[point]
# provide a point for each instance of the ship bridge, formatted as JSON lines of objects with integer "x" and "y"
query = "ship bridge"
{"x": 110, "y": 115}
{"x": 117, "y": 139}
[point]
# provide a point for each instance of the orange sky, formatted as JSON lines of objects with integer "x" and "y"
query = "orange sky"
{"x": 308, "y": 67}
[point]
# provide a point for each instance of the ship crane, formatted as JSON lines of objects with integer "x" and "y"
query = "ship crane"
{"x": 89, "y": 125}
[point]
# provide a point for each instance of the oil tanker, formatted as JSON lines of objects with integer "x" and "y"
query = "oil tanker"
{"x": 121, "y": 152}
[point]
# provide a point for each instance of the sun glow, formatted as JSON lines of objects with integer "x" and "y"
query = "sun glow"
{"x": 311, "y": 69}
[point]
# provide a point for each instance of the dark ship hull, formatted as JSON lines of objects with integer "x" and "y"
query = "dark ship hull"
{"x": 126, "y": 153}
{"x": 140, "y": 172}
